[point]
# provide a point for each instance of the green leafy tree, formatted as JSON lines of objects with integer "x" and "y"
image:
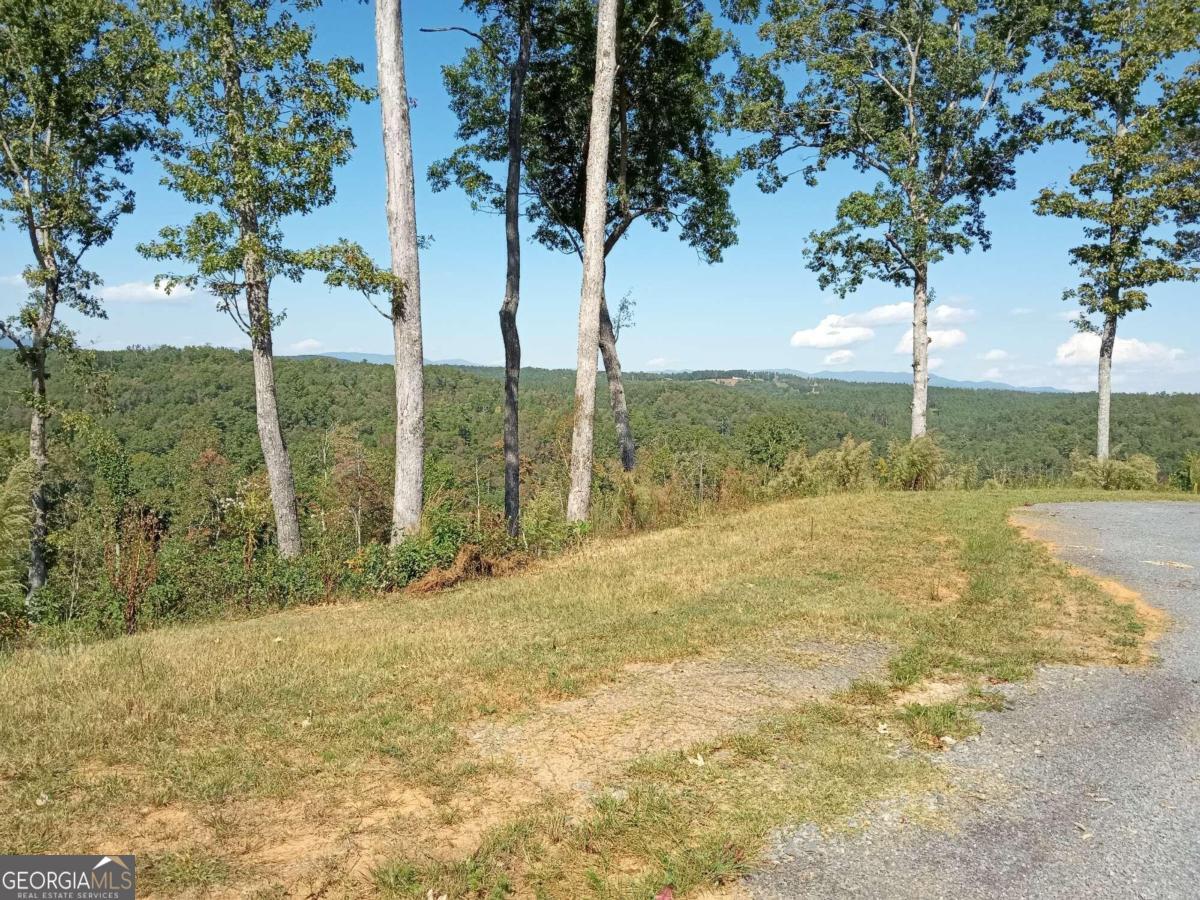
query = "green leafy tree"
{"x": 81, "y": 87}
{"x": 663, "y": 168}
{"x": 1112, "y": 88}
{"x": 1186, "y": 143}
{"x": 917, "y": 94}
{"x": 264, "y": 127}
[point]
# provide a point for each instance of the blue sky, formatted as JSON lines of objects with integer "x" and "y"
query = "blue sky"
{"x": 998, "y": 315}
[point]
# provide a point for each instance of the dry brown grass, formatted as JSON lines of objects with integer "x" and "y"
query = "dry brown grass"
{"x": 1088, "y": 641}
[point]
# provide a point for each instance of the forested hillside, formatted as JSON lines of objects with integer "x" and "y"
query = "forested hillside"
{"x": 160, "y": 508}
{"x": 155, "y": 401}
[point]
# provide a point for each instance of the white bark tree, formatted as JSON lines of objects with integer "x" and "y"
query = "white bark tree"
{"x": 592, "y": 291}
{"x": 263, "y": 130}
{"x": 923, "y": 98}
{"x": 406, "y": 295}
{"x": 1116, "y": 91}
{"x": 81, "y": 82}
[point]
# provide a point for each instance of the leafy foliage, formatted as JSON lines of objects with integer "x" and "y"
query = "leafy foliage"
{"x": 1137, "y": 473}
{"x": 182, "y": 443}
{"x": 1117, "y": 93}
{"x": 1188, "y": 475}
{"x": 916, "y": 94}
{"x": 665, "y": 166}
{"x": 916, "y": 465}
{"x": 849, "y": 466}
{"x": 263, "y": 130}
{"x": 82, "y": 84}
{"x": 14, "y": 540}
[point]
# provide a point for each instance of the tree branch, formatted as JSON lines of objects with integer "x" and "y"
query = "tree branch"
{"x": 7, "y": 332}
{"x": 492, "y": 48}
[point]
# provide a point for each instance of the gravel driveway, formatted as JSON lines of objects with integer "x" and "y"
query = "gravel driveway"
{"x": 1089, "y": 787}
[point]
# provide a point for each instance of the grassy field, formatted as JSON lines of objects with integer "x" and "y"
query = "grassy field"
{"x": 638, "y": 713}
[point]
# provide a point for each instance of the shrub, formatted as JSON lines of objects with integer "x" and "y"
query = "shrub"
{"x": 436, "y": 545}
{"x": 544, "y": 523}
{"x": 918, "y": 465}
{"x": 619, "y": 499}
{"x": 963, "y": 476}
{"x": 846, "y": 467}
{"x": 14, "y": 544}
{"x": 768, "y": 440}
{"x": 196, "y": 582}
{"x": 1137, "y": 473}
{"x": 1187, "y": 477}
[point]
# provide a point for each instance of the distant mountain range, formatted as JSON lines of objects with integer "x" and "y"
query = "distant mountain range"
{"x": 906, "y": 377}
{"x": 385, "y": 359}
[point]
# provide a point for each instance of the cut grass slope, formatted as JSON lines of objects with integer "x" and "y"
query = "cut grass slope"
{"x": 329, "y": 749}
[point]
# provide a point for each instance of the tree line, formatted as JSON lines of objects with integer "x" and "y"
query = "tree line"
{"x": 160, "y": 506}
{"x": 581, "y": 119}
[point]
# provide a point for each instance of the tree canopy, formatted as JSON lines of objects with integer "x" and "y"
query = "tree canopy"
{"x": 82, "y": 85}
{"x": 263, "y": 130}
{"x": 665, "y": 166}
{"x": 1113, "y": 92}
{"x": 918, "y": 95}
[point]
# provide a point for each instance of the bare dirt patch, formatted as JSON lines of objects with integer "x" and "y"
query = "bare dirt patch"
{"x": 306, "y": 846}
{"x": 569, "y": 746}
{"x": 928, "y": 693}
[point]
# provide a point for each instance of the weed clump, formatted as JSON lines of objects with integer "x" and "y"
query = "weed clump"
{"x": 1136, "y": 473}
{"x": 918, "y": 465}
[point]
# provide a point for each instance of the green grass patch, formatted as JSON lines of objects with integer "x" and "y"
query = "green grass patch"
{"x": 928, "y": 724}
{"x": 326, "y": 705}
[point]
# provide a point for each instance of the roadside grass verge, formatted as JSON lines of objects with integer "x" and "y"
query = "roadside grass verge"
{"x": 330, "y": 746}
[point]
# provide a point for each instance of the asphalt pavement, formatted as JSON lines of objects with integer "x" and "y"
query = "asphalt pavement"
{"x": 1087, "y": 787}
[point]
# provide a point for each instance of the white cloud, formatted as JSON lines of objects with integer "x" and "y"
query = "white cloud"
{"x": 1083, "y": 349}
{"x": 935, "y": 362}
{"x": 13, "y": 280}
{"x": 308, "y": 345}
{"x": 1020, "y": 311}
{"x": 995, "y": 355}
{"x": 941, "y": 338}
{"x": 839, "y": 357}
{"x": 144, "y": 292}
{"x": 854, "y": 328}
{"x": 993, "y": 374}
{"x": 888, "y": 314}
{"x": 950, "y": 315}
{"x": 657, "y": 363}
{"x": 832, "y": 331}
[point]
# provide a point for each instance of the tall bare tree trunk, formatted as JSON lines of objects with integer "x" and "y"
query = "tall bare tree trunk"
{"x": 512, "y": 283}
{"x": 1108, "y": 340}
{"x": 920, "y": 363}
{"x": 39, "y": 457}
{"x": 616, "y": 389}
{"x": 266, "y": 405}
{"x": 406, "y": 300}
{"x": 40, "y": 413}
{"x": 592, "y": 292}
{"x": 1108, "y": 332}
